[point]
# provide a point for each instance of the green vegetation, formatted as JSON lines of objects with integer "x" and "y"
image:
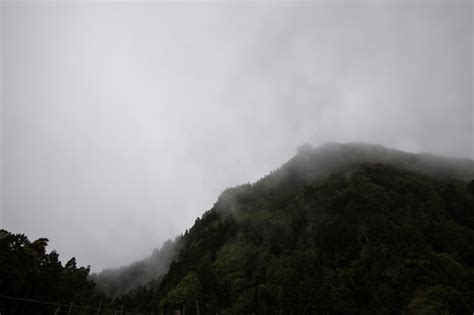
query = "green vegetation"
{"x": 369, "y": 239}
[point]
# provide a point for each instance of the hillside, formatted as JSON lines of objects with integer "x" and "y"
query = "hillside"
{"x": 340, "y": 229}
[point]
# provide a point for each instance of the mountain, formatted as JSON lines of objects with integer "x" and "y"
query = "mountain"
{"x": 343, "y": 228}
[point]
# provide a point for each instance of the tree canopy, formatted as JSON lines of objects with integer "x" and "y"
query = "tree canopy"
{"x": 28, "y": 271}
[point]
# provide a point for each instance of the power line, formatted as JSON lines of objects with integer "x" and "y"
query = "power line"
{"x": 68, "y": 306}
{"x": 45, "y": 302}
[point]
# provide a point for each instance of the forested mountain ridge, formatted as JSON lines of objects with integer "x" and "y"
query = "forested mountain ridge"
{"x": 352, "y": 228}
{"x": 307, "y": 165}
{"x": 311, "y": 163}
{"x": 340, "y": 229}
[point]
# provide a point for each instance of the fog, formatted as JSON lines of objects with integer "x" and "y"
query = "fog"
{"x": 122, "y": 122}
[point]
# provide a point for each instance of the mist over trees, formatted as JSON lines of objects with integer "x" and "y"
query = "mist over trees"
{"x": 340, "y": 229}
{"x": 116, "y": 282}
{"x": 124, "y": 124}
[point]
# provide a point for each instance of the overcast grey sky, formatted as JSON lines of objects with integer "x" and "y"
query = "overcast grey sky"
{"x": 122, "y": 122}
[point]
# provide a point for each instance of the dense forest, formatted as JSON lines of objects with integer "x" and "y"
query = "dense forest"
{"x": 339, "y": 229}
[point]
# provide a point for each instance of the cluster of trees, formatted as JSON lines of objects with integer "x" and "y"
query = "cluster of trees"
{"x": 28, "y": 271}
{"x": 369, "y": 239}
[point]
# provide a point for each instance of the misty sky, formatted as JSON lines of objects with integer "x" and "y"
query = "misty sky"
{"x": 121, "y": 123}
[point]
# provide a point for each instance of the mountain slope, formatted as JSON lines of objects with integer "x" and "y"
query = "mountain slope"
{"x": 339, "y": 229}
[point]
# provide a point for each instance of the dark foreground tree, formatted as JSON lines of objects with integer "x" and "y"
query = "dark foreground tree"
{"x": 28, "y": 272}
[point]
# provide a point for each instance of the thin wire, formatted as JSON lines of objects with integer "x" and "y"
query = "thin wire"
{"x": 102, "y": 310}
{"x": 50, "y": 303}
